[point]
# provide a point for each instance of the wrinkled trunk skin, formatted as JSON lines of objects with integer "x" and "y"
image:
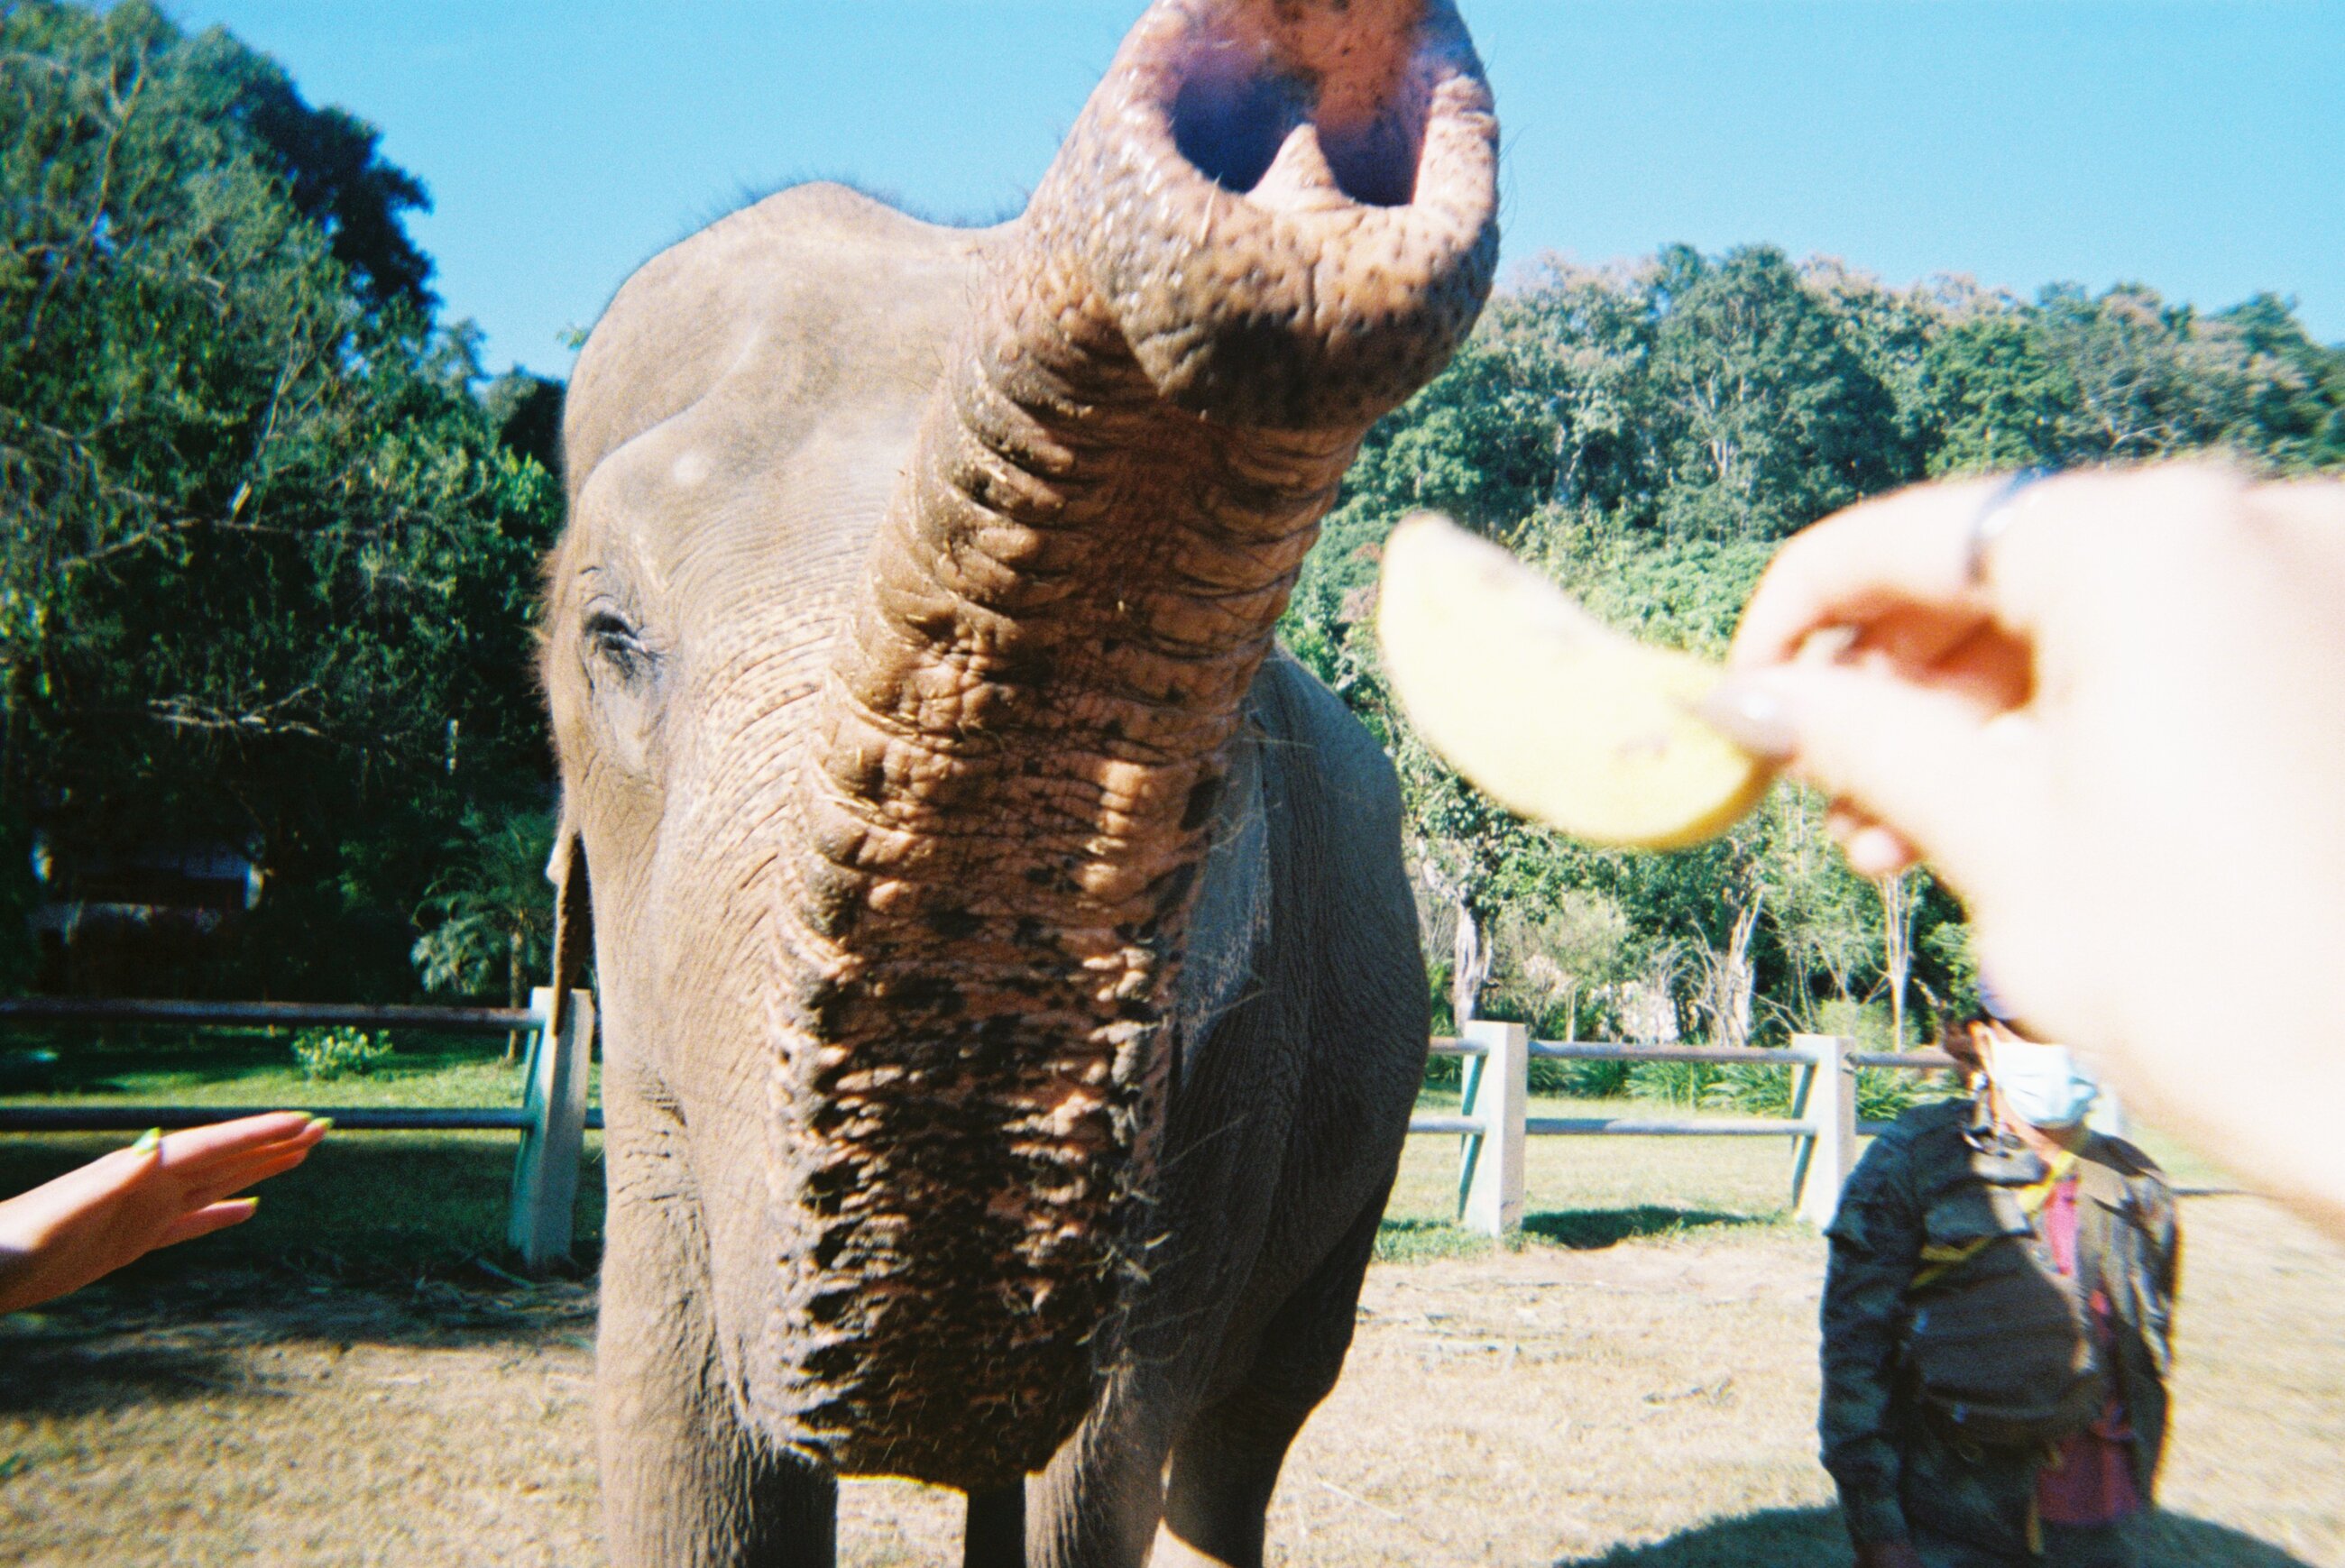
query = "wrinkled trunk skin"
{"x": 1018, "y": 754}
{"x": 1010, "y": 997}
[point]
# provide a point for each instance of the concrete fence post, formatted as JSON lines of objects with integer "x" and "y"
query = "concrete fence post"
{"x": 1496, "y": 1086}
{"x": 545, "y": 1176}
{"x": 1823, "y": 1093}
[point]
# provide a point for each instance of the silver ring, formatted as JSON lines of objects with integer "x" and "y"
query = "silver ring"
{"x": 1988, "y": 523}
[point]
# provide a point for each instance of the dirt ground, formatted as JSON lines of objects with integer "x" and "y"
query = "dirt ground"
{"x": 1645, "y": 1401}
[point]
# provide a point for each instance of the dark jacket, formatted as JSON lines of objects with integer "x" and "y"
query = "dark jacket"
{"x": 1929, "y": 1181}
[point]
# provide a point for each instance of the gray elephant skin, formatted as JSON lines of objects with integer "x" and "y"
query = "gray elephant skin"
{"x": 1012, "y": 997}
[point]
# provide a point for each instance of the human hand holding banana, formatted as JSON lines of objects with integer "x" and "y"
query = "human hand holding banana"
{"x": 2109, "y": 711}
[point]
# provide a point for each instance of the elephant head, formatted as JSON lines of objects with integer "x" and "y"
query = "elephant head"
{"x": 914, "y": 583}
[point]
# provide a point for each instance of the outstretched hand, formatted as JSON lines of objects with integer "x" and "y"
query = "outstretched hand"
{"x": 89, "y": 1222}
{"x": 2113, "y": 721}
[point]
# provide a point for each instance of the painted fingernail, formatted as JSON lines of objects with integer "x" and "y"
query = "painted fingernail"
{"x": 324, "y": 1124}
{"x": 148, "y": 1141}
{"x": 1752, "y": 716}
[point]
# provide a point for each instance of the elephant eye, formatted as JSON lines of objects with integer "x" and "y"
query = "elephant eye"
{"x": 614, "y": 640}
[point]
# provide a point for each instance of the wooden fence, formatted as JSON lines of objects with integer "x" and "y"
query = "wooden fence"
{"x": 552, "y": 1119}
{"x": 1493, "y": 1116}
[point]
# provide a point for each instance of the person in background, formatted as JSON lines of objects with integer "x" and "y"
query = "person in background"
{"x": 160, "y": 1190}
{"x": 1998, "y": 1322}
{"x": 2108, "y": 709}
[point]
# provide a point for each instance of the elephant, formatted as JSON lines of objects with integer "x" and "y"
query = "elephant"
{"x": 1011, "y": 996}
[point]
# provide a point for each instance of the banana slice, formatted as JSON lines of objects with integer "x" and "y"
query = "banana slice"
{"x": 1545, "y": 709}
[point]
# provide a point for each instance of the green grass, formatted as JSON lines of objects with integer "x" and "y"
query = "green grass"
{"x": 379, "y": 1209}
{"x": 153, "y": 1066}
{"x": 368, "y": 1207}
{"x": 1583, "y": 1192}
{"x": 1405, "y": 1239}
{"x": 387, "y": 1207}
{"x": 1580, "y": 1193}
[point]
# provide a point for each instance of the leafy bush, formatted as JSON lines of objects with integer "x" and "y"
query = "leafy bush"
{"x": 1581, "y": 1081}
{"x": 339, "y": 1053}
{"x": 1689, "y": 1084}
{"x": 1756, "y": 1090}
{"x": 1884, "y": 1093}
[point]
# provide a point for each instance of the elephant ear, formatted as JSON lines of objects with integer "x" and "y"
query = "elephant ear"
{"x": 573, "y": 913}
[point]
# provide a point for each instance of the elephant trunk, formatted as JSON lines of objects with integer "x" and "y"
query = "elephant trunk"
{"x": 1273, "y": 221}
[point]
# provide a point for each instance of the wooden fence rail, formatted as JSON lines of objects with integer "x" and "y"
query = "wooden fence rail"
{"x": 267, "y": 1015}
{"x": 1492, "y": 1120}
{"x": 552, "y": 1117}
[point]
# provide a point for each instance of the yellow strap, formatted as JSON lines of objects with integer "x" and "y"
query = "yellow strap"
{"x": 1937, "y": 1260}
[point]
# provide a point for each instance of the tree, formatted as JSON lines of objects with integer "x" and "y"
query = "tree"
{"x": 1556, "y": 953}
{"x": 1996, "y": 397}
{"x": 1775, "y": 418}
{"x": 270, "y": 569}
{"x": 490, "y": 919}
{"x": 1897, "y": 899}
{"x": 2075, "y": 379}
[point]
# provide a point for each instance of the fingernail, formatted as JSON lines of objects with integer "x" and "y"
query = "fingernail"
{"x": 322, "y": 1123}
{"x": 1752, "y": 716}
{"x": 148, "y": 1141}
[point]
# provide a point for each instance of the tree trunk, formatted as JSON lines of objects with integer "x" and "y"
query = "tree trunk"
{"x": 1469, "y": 965}
{"x": 1897, "y": 946}
{"x": 513, "y": 992}
{"x": 1738, "y": 978}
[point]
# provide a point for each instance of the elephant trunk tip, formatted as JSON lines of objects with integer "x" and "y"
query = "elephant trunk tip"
{"x": 1307, "y": 197}
{"x": 1290, "y": 103}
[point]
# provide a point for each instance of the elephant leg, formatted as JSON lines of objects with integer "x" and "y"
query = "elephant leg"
{"x": 1097, "y": 1505}
{"x": 1226, "y": 1462}
{"x": 684, "y": 1485}
{"x": 994, "y": 1534}
{"x": 1224, "y": 1472}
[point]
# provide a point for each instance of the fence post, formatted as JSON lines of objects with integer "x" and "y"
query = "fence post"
{"x": 1824, "y": 1094}
{"x": 1495, "y": 1085}
{"x": 545, "y": 1176}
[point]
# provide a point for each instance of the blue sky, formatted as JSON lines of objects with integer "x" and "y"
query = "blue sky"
{"x": 2195, "y": 144}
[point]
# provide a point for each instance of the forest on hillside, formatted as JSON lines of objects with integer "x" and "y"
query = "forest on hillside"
{"x": 1647, "y": 433}
{"x": 269, "y": 570}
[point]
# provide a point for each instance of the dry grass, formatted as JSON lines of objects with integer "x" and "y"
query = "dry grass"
{"x": 1637, "y": 1380}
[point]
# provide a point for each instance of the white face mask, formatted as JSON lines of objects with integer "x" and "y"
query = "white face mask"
{"x": 2042, "y": 1084}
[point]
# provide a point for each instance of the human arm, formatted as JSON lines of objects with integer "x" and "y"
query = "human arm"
{"x": 2122, "y": 740}
{"x": 90, "y": 1221}
{"x": 1876, "y": 1243}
